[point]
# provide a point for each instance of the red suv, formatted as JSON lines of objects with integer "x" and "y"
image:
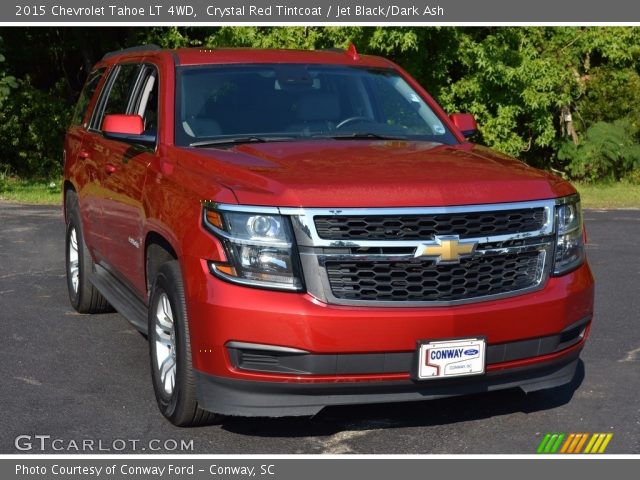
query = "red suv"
{"x": 295, "y": 229}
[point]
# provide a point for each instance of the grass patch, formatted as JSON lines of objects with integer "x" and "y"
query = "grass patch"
{"x": 609, "y": 195}
{"x": 39, "y": 192}
{"x": 622, "y": 194}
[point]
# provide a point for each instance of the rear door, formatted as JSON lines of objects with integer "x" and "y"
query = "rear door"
{"x": 85, "y": 171}
{"x": 133, "y": 90}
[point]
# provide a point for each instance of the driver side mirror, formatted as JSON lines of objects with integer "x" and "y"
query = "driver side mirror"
{"x": 126, "y": 128}
{"x": 465, "y": 122}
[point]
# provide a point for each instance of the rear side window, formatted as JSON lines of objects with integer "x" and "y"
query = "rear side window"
{"x": 86, "y": 95}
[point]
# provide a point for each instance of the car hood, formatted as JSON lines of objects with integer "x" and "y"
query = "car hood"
{"x": 371, "y": 173}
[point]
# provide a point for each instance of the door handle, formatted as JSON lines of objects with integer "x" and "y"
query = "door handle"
{"x": 110, "y": 168}
{"x": 83, "y": 154}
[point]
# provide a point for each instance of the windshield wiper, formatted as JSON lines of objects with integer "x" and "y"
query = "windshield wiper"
{"x": 238, "y": 140}
{"x": 365, "y": 135}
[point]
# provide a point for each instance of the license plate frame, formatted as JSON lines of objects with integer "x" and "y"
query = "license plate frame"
{"x": 451, "y": 358}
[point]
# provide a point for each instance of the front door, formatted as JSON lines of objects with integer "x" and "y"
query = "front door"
{"x": 124, "y": 169}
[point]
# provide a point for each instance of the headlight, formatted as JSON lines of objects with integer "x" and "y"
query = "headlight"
{"x": 259, "y": 247}
{"x": 569, "y": 253}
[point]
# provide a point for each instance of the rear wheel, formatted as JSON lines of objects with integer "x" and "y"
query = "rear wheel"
{"x": 170, "y": 351}
{"x": 84, "y": 297}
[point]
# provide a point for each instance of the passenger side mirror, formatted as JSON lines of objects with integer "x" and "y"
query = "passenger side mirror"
{"x": 465, "y": 123}
{"x": 126, "y": 128}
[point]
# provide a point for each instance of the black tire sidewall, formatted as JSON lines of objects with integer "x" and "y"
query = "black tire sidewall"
{"x": 166, "y": 283}
{"x": 75, "y": 297}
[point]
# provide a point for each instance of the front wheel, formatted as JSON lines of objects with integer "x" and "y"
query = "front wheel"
{"x": 170, "y": 351}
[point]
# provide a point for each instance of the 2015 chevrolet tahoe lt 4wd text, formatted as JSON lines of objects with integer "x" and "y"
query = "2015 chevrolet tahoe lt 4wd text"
{"x": 295, "y": 229}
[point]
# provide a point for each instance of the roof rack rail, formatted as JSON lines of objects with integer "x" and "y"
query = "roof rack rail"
{"x": 138, "y": 48}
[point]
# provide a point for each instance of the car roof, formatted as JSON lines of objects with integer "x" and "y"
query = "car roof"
{"x": 217, "y": 56}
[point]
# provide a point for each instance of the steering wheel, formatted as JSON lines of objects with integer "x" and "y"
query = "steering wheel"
{"x": 349, "y": 120}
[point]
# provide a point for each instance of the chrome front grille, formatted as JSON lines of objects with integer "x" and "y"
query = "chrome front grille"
{"x": 426, "y": 226}
{"x": 376, "y": 257}
{"x": 426, "y": 281}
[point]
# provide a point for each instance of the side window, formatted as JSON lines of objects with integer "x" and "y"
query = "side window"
{"x": 116, "y": 95}
{"x": 122, "y": 87}
{"x": 146, "y": 103}
{"x": 131, "y": 89}
{"x": 86, "y": 95}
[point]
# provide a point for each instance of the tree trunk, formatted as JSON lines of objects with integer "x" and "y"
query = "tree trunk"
{"x": 567, "y": 124}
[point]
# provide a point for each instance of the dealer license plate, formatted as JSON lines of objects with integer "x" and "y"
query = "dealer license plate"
{"x": 451, "y": 358}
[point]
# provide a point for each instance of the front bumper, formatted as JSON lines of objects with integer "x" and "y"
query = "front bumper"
{"x": 522, "y": 333}
{"x": 276, "y": 399}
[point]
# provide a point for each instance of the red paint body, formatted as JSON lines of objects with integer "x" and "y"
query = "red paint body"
{"x": 125, "y": 199}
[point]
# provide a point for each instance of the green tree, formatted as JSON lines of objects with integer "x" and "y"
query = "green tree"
{"x": 611, "y": 94}
{"x": 515, "y": 81}
{"x": 536, "y": 91}
{"x": 32, "y": 127}
{"x": 7, "y": 82}
{"x": 528, "y": 85}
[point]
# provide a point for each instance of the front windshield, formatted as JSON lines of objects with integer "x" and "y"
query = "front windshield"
{"x": 291, "y": 101}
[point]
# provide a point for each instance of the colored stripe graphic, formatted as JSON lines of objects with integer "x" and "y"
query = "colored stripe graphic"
{"x": 603, "y": 447}
{"x": 574, "y": 443}
{"x": 569, "y": 444}
{"x": 598, "y": 443}
{"x": 553, "y": 443}
{"x": 550, "y": 443}
{"x": 543, "y": 443}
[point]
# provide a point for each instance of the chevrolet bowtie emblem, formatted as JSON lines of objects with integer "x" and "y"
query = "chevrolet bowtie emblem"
{"x": 447, "y": 248}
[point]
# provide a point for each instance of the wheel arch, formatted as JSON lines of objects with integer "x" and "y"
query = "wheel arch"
{"x": 67, "y": 187}
{"x": 158, "y": 250}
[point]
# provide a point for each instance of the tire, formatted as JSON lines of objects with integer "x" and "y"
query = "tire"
{"x": 84, "y": 297}
{"x": 170, "y": 351}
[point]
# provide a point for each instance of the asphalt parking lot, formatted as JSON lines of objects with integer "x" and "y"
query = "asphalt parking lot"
{"x": 75, "y": 377}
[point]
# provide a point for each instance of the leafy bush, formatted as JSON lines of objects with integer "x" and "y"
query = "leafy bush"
{"x": 611, "y": 94}
{"x": 32, "y": 127}
{"x": 7, "y": 82}
{"x": 607, "y": 151}
{"x": 633, "y": 177}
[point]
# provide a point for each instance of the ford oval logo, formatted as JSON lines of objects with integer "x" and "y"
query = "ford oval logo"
{"x": 471, "y": 351}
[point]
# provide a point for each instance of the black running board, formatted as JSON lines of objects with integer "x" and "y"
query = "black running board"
{"x": 121, "y": 298}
